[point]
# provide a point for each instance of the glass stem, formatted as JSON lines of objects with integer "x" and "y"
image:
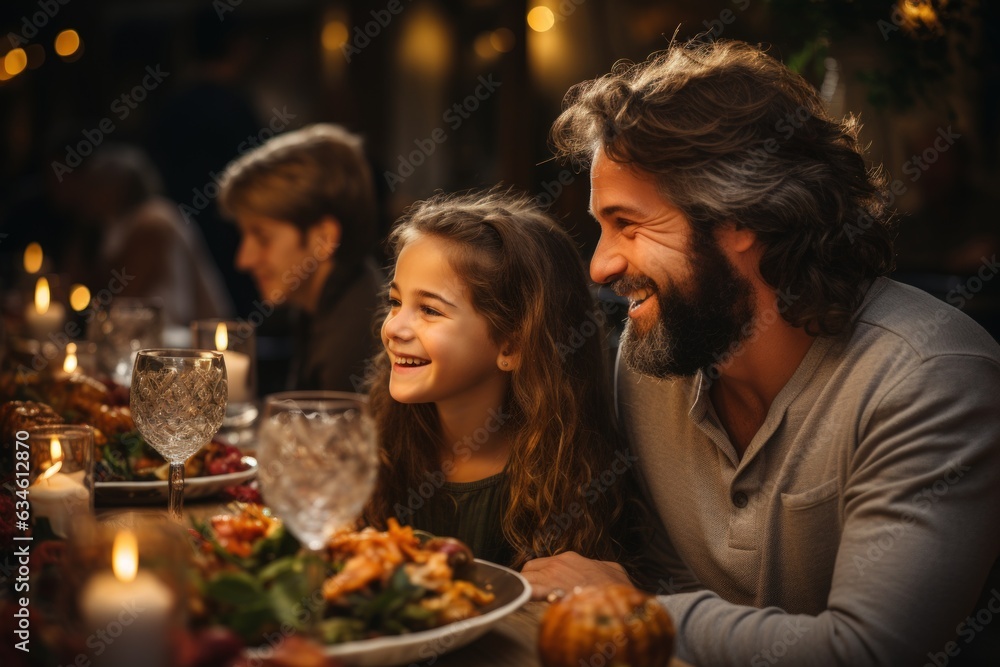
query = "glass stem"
{"x": 315, "y": 571}
{"x": 175, "y": 498}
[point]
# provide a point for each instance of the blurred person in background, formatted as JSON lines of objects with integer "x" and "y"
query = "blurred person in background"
{"x": 144, "y": 238}
{"x": 305, "y": 205}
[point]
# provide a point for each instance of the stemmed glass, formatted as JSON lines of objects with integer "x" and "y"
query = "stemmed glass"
{"x": 178, "y": 399}
{"x": 318, "y": 461}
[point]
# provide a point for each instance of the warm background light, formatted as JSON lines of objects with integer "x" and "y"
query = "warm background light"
{"x": 79, "y": 297}
{"x": 15, "y": 61}
{"x": 484, "y": 48}
{"x": 425, "y": 45}
{"x": 502, "y": 39}
{"x": 335, "y": 35}
{"x": 33, "y": 257}
{"x": 541, "y": 19}
{"x": 67, "y": 43}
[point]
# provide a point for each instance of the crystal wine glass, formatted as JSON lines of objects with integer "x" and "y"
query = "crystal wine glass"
{"x": 318, "y": 461}
{"x": 178, "y": 400}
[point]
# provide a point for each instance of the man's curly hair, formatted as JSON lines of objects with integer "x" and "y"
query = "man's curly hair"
{"x": 734, "y": 136}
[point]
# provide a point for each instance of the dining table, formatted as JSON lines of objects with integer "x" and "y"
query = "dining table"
{"x": 510, "y": 642}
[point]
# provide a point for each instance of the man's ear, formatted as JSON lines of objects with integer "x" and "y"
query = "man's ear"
{"x": 735, "y": 238}
{"x": 324, "y": 237}
{"x": 508, "y": 359}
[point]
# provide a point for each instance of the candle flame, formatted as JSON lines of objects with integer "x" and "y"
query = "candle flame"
{"x": 71, "y": 362}
{"x": 42, "y": 296}
{"x": 56, "y": 455}
{"x": 221, "y": 337}
{"x": 33, "y": 258}
{"x": 125, "y": 556}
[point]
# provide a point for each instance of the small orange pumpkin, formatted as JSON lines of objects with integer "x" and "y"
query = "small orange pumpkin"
{"x": 611, "y": 626}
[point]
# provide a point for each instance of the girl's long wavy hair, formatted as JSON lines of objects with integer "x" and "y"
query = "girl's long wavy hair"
{"x": 526, "y": 278}
{"x": 732, "y": 135}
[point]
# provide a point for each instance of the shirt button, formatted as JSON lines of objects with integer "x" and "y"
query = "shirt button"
{"x": 740, "y": 499}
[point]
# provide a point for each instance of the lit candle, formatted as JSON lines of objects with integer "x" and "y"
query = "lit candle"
{"x": 59, "y": 496}
{"x": 237, "y": 367}
{"x": 127, "y": 611}
{"x": 71, "y": 362}
{"x": 43, "y": 317}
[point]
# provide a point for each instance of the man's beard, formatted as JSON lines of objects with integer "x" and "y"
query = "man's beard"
{"x": 699, "y": 324}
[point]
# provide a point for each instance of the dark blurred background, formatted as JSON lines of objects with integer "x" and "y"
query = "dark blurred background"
{"x": 452, "y": 94}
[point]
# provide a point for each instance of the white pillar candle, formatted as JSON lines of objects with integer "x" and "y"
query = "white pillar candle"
{"x": 238, "y": 376}
{"x": 43, "y": 317}
{"x": 59, "y": 498}
{"x": 127, "y": 612}
{"x": 41, "y": 324}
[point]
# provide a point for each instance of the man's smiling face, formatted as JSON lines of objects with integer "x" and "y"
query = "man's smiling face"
{"x": 688, "y": 303}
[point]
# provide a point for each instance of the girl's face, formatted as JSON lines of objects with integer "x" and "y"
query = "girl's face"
{"x": 438, "y": 344}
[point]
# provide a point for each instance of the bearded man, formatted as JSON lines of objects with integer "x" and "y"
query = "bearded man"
{"x": 821, "y": 444}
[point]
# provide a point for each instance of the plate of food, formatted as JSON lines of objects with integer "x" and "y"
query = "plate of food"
{"x": 126, "y": 468}
{"x": 511, "y": 591}
{"x": 194, "y": 487}
{"x": 387, "y": 597}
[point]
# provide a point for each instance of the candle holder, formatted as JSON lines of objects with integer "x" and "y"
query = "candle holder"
{"x": 238, "y": 344}
{"x": 62, "y": 478}
{"x": 125, "y": 602}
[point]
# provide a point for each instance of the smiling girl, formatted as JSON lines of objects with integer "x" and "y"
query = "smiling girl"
{"x": 495, "y": 416}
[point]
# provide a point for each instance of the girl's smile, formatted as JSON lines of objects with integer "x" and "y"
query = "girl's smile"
{"x": 439, "y": 344}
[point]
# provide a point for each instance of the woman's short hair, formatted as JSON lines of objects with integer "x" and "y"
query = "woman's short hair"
{"x": 303, "y": 176}
{"x": 733, "y": 136}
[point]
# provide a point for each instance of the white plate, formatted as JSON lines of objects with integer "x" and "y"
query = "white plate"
{"x": 194, "y": 487}
{"x": 511, "y": 591}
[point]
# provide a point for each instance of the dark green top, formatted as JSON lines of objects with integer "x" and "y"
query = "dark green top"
{"x": 471, "y": 512}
